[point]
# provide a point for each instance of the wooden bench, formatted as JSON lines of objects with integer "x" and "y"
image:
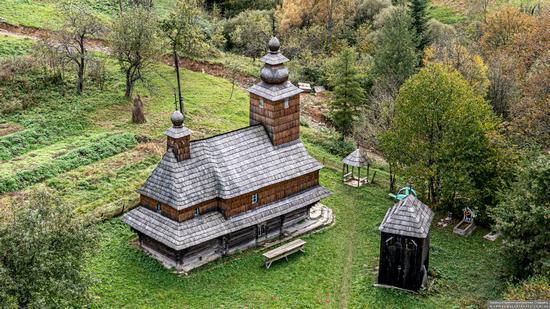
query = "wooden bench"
{"x": 283, "y": 251}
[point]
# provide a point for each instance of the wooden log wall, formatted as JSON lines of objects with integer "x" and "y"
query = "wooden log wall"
{"x": 157, "y": 246}
{"x": 187, "y": 259}
{"x": 295, "y": 216}
{"x": 282, "y": 124}
{"x": 241, "y": 236}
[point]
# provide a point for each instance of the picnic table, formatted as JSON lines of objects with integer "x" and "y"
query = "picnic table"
{"x": 283, "y": 251}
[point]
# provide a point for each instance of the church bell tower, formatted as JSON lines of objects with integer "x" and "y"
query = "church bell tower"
{"x": 275, "y": 101}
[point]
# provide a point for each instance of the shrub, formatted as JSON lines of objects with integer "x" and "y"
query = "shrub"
{"x": 249, "y": 32}
{"x": 43, "y": 251}
{"x": 534, "y": 288}
{"x": 523, "y": 218}
{"x": 331, "y": 142}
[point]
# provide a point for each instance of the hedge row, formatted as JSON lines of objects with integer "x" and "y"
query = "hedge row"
{"x": 93, "y": 151}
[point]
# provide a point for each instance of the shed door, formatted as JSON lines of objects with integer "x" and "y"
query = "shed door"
{"x": 261, "y": 232}
{"x": 394, "y": 260}
{"x": 409, "y": 265}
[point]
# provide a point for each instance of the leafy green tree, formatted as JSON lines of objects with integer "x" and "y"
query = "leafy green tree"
{"x": 231, "y": 8}
{"x": 349, "y": 95}
{"x": 445, "y": 139}
{"x": 523, "y": 218}
{"x": 249, "y": 32}
{"x": 395, "y": 56}
{"x": 42, "y": 252}
{"x": 183, "y": 30}
{"x": 418, "y": 9}
{"x": 134, "y": 43}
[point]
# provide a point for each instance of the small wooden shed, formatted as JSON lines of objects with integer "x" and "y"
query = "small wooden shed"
{"x": 405, "y": 245}
{"x": 357, "y": 159}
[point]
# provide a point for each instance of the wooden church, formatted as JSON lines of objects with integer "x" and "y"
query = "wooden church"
{"x": 405, "y": 245}
{"x": 211, "y": 197}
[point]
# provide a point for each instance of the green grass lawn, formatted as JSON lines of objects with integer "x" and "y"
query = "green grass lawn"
{"x": 44, "y": 13}
{"x": 336, "y": 271}
{"x": 445, "y": 14}
{"x": 10, "y": 47}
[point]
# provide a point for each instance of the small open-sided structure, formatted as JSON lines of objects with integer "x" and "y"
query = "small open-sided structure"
{"x": 467, "y": 225}
{"x": 356, "y": 159}
{"x": 404, "y": 245}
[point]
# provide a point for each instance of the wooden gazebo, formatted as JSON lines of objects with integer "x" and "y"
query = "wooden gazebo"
{"x": 357, "y": 159}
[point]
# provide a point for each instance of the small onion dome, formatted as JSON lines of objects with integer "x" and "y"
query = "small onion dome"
{"x": 273, "y": 45}
{"x": 274, "y": 74}
{"x": 177, "y": 119}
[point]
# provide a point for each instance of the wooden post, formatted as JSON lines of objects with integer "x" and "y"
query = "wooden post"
{"x": 344, "y": 172}
{"x": 368, "y": 168}
{"x": 359, "y": 178}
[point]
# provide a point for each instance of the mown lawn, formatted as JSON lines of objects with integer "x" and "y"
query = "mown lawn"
{"x": 337, "y": 270}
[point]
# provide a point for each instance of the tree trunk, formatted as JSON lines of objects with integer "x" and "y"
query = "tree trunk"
{"x": 129, "y": 86}
{"x": 432, "y": 191}
{"x": 80, "y": 79}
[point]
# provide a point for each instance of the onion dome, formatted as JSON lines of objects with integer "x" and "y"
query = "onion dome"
{"x": 177, "y": 119}
{"x": 273, "y": 45}
{"x": 275, "y": 85}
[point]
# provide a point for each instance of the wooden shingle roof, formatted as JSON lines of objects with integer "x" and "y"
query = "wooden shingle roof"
{"x": 181, "y": 235}
{"x": 275, "y": 92}
{"x": 226, "y": 166}
{"x": 356, "y": 158}
{"x": 408, "y": 217}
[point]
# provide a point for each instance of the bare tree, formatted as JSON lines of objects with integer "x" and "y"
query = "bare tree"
{"x": 134, "y": 43}
{"x": 79, "y": 26}
{"x": 376, "y": 118}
